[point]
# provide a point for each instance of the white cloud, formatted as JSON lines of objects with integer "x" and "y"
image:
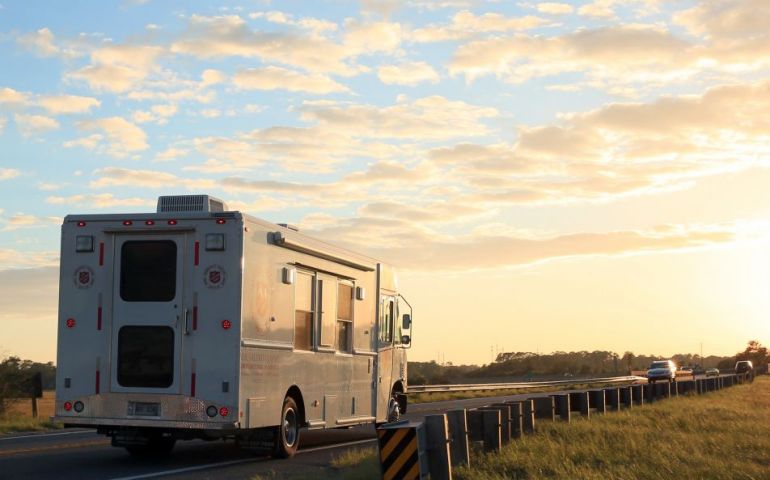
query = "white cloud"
{"x": 9, "y": 173}
{"x": 42, "y": 43}
{"x": 411, "y": 73}
{"x": 118, "y": 68}
{"x": 103, "y": 200}
{"x": 30, "y": 125}
{"x": 212, "y": 77}
{"x": 466, "y": 24}
{"x": 64, "y": 104}
{"x": 277, "y": 78}
{"x": 171, "y": 154}
{"x": 122, "y": 136}
{"x": 89, "y": 143}
{"x": 122, "y": 177}
{"x": 553, "y": 8}
{"x": 11, "y": 97}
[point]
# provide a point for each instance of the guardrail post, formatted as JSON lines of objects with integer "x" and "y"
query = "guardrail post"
{"x": 597, "y": 400}
{"x": 491, "y": 426}
{"x": 528, "y": 416}
{"x": 579, "y": 403}
{"x": 612, "y": 395}
{"x": 458, "y": 438}
{"x": 673, "y": 391}
{"x": 649, "y": 392}
{"x": 721, "y": 382}
{"x": 561, "y": 405}
{"x": 517, "y": 419}
{"x": 543, "y": 408}
{"x": 505, "y": 421}
{"x": 437, "y": 433}
{"x": 662, "y": 390}
{"x": 638, "y": 394}
{"x": 627, "y": 396}
{"x": 402, "y": 448}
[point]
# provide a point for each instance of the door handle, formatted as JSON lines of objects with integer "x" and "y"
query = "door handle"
{"x": 186, "y": 321}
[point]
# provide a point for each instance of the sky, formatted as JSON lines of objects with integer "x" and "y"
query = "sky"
{"x": 544, "y": 175}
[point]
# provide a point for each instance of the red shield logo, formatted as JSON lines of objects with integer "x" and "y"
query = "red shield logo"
{"x": 84, "y": 277}
{"x": 215, "y": 276}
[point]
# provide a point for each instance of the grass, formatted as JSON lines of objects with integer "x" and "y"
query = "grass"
{"x": 721, "y": 435}
{"x": 26, "y": 424}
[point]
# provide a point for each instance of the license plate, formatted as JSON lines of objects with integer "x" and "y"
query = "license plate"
{"x": 144, "y": 409}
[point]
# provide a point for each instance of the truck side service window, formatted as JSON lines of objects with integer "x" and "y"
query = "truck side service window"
{"x": 344, "y": 317}
{"x": 386, "y": 322}
{"x": 303, "y": 313}
{"x": 148, "y": 271}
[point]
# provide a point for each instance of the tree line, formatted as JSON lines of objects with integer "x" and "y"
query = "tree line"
{"x": 16, "y": 378}
{"x": 582, "y": 363}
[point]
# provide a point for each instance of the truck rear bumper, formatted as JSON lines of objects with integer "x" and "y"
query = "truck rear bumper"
{"x": 133, "y": 422}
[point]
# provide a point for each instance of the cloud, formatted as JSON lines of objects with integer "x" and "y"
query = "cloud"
{"x": 42, "y": 43}
{"x": 122, "y": 136}
{"x": 23, "y": 221}
{"x": 409, "y": 245}
{"x": 30, "y": 125}
{"x": 123, "y": 177}
{"x": 552, "y": 8}
{"x": 9, "y": 173}
{"x": 227, "y": 36}
{"x": 171, "y": 154}
{"x": 599, "y": 9}
{"x": 371, "y": 37}
{"x": 411, "y": 73}
{"x": 212, "y": 77}
{"x": 103, "y": 200}
{"x": 626, "y": 54}
{"x": 13, "y": 98}
{"x": 727, "y": 19}
{"x": 277, "y": 78}
{"x": 118, "y": 68}
{"x": 466, "y": 24}
{"x": 89, "y": 143}
{"x": 65, "y": 104}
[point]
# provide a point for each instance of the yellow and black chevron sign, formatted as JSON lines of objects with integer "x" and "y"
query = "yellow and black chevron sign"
{"x": 399, "y": 455}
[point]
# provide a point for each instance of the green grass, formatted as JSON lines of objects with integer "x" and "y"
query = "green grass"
{"x": 26, "y": 424}
{"x": 721, "y": 435}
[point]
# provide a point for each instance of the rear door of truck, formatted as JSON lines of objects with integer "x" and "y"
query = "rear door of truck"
{"x": 150, "y": 317}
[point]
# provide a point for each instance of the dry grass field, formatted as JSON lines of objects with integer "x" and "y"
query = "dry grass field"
{"x": 18, "y": 418}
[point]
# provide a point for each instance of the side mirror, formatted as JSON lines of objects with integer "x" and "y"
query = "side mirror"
{"x": 407, "y": 321}
{"x": 406, "y": 339}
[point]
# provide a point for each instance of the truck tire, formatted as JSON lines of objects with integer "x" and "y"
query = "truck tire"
{"x": 287, "y": 433}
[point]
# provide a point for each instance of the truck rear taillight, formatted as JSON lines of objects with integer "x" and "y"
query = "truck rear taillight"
{"x": 127, "y": 223}
{"x": 171, "y": 222}
{"x": 70, "y": 323}
{"x": 221, "y": 221}
{"x": 224, "y": 411}
{"x": 68, "y": 406}
{"x": 149, "y": 222}
{"x": 226, "y": 324}
{"x": 81, "y": 223}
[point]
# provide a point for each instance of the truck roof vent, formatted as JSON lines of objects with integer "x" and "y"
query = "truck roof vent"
{"x": 190, "y": 203}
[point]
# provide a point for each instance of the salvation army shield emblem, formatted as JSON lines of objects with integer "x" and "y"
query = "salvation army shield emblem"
{"x": 83, "y": 277}
{"x": 214, "y": 276}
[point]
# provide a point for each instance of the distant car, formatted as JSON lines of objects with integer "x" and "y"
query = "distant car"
{"x": 686, "y": 371}
{"x": 661, "y": 370}
{"x": 745, "y": 366}
{"x": 712, "y": 372}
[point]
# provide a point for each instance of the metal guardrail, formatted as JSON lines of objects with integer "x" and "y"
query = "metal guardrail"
{"x": 470, "y": 387}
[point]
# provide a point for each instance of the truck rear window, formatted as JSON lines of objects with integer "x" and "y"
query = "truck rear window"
{"x": 146, "y": 356}
{"x": 148, "y": 271}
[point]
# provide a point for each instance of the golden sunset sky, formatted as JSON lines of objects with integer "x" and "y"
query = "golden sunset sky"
{"x": 544, "y": 175}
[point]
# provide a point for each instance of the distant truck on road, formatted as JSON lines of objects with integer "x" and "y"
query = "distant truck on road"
{"x": 200, "y": 322}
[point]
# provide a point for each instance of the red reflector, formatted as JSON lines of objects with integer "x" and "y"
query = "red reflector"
{"x": 81, "y": 224}
{"x": 127, "y": 222}
{"x": 226, "y": 324}
{"x": 221, "y": 221}
{"x": 70, "y": 323}
{"x": 223, "y": 411}
{"x": 68, "y": 406}
{"x": 171, "y": 222}
{"x": 150, "y": 222}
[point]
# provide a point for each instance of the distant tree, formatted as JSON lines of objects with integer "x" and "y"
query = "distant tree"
{"x": 15, "y": 377}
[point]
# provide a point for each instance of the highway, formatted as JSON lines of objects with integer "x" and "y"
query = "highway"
{"x": 83, "y": 455}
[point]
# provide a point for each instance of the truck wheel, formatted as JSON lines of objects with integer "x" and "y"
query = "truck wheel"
{"x": 394, "y": 411}
{"x": 287, "y": 433}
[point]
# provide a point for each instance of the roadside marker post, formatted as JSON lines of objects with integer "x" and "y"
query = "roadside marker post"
{"x": 561, "y": 405}
{"x": 505, "y": 421}
{"x": 637, "y": 394}
{"x": 597, "y": 400}
{"x": 626, "y": 396}
{"x": 437, "y": 432}
{"x": 579, "y": 403}
{"x": 517, "y": 419}
{"x": 544, "y": 408}
{"x": 528, "y": 416}
{"x": 612, "y": 395}
{"x": 402, "y": 448}
{"x": 459, "y": 452}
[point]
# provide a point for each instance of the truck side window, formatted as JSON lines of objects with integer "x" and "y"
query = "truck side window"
{"x": 303, "y": 311}
{"x": 386, "y": 322}
{"x": 344, "y": 317}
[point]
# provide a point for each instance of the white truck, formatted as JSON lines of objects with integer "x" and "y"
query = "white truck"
{"x": 199, "y": 322}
